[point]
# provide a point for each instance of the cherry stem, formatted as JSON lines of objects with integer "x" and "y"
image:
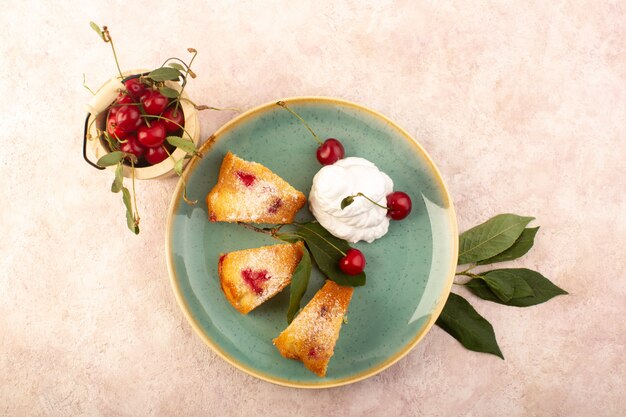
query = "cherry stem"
{"x": 86, "y": 86}
{"x": 283, "y": 105}
{"x": 194, "y": 52}
{"x": 168, "y": 153}
{"x": 188, "y": 201}
{"x": 466, "y": 270}
{"x": 321, "y": 237}
{"x": 170, "y": 120}
{"x": 201, "y": 107}
{"x": 370, "y": 200}
{"x": 270, "y": 232}
{"x": 107, "y": 38}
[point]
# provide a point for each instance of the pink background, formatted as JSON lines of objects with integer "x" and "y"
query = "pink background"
{"x": 521, "y": 104}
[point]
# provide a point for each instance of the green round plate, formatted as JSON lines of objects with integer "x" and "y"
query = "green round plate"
{"x": 409, "y": 270}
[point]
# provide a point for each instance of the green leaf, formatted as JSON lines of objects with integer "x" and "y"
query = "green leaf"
{"x": 164, "y": 74}
{"x": 491, "y": 238}
{"x": 177, "y": 66}
{"x": 521, "y": 246}
{"x": 299, "y": 284}
{"x": 117, "y": 185}
{"x": 178, "y": 166}
{"x": 347, "y": 201}
{"x": 506, "y": 285}
{"x": 184, "y": 144}
{"x": 326, "y": 250}
{"x": 97, "y": 29}
{"x": 168, "y": 92}
{"x": 461, "y": 321}
{"x": 541, "y": 286}
{"x": 110, "y": 159}
{"x": 130, "y": 218}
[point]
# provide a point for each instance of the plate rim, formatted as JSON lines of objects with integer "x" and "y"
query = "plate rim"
{"x": 181, "y": 300}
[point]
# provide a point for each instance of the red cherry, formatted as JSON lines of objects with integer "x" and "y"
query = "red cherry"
{"x": 114, "y": 130}
{"x": 353, "y": 263}
{"x": 131, "y": 145}
{"x": 177, "y": 118}
{"x": 399, "y": 205}
{"x": 154, "y": 103}
{"x": 112, "y": 111}
{"x": 124, "y": 99}
{"x": 155, "y": 155}
{"x": 330, "y": 151}
{"x": 135, "y": 87}
{"x": 128, "y": 118}
{"x": 152, "y": 136}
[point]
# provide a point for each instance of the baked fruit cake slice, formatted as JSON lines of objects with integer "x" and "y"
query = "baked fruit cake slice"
{"x": 312, "y": 335}
{"x": 252, "y": 276}
{"x": 249, "y": 192}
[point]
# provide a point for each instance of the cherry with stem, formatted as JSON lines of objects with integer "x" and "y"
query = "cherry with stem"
{"x": 329, "y": 151}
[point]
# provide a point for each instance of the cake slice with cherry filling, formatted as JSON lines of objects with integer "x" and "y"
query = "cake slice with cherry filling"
{"x": 252, "y": 276}
{"x": 312, "y": 335}
{"x": 250, "y": 192}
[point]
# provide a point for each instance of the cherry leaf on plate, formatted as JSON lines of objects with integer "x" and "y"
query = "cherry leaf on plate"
{"x": 327, "y": 250}
{"x": 347, "y": 201}
{"x": 299, "y": 284}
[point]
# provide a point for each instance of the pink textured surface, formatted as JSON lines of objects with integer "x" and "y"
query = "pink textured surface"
{"x": 522, "y": 106}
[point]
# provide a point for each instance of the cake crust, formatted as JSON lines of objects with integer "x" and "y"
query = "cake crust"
{"x": 312, "y": 335}
{"x": 250, "y": 277}
{"x": 249, "y": 192}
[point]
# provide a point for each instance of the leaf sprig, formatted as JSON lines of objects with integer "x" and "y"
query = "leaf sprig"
{"x": 502, "y": 238}
{"x": 325, "y": 249}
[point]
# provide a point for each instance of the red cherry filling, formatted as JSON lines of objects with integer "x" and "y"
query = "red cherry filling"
{"x": 255, "y": 279}
{"x": 246, "y": 178}
{"x": 221, "y": 261}
{"x": 353, "y": 263}
{"x": 278, "y": 203}
{"x": 399, "y": 205}
{"x": 313, "y": 352}
{"x": 330, "y": 152}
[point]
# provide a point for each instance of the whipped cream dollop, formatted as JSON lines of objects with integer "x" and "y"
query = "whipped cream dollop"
{"x": 361, "y": 220}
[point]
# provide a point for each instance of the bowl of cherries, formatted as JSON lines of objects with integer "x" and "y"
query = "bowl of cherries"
{"x": 142, "y": 125}
{"x": 153, "y": 131}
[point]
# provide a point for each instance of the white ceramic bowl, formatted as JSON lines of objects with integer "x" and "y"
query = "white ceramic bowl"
{"x": 104, "y": 97}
